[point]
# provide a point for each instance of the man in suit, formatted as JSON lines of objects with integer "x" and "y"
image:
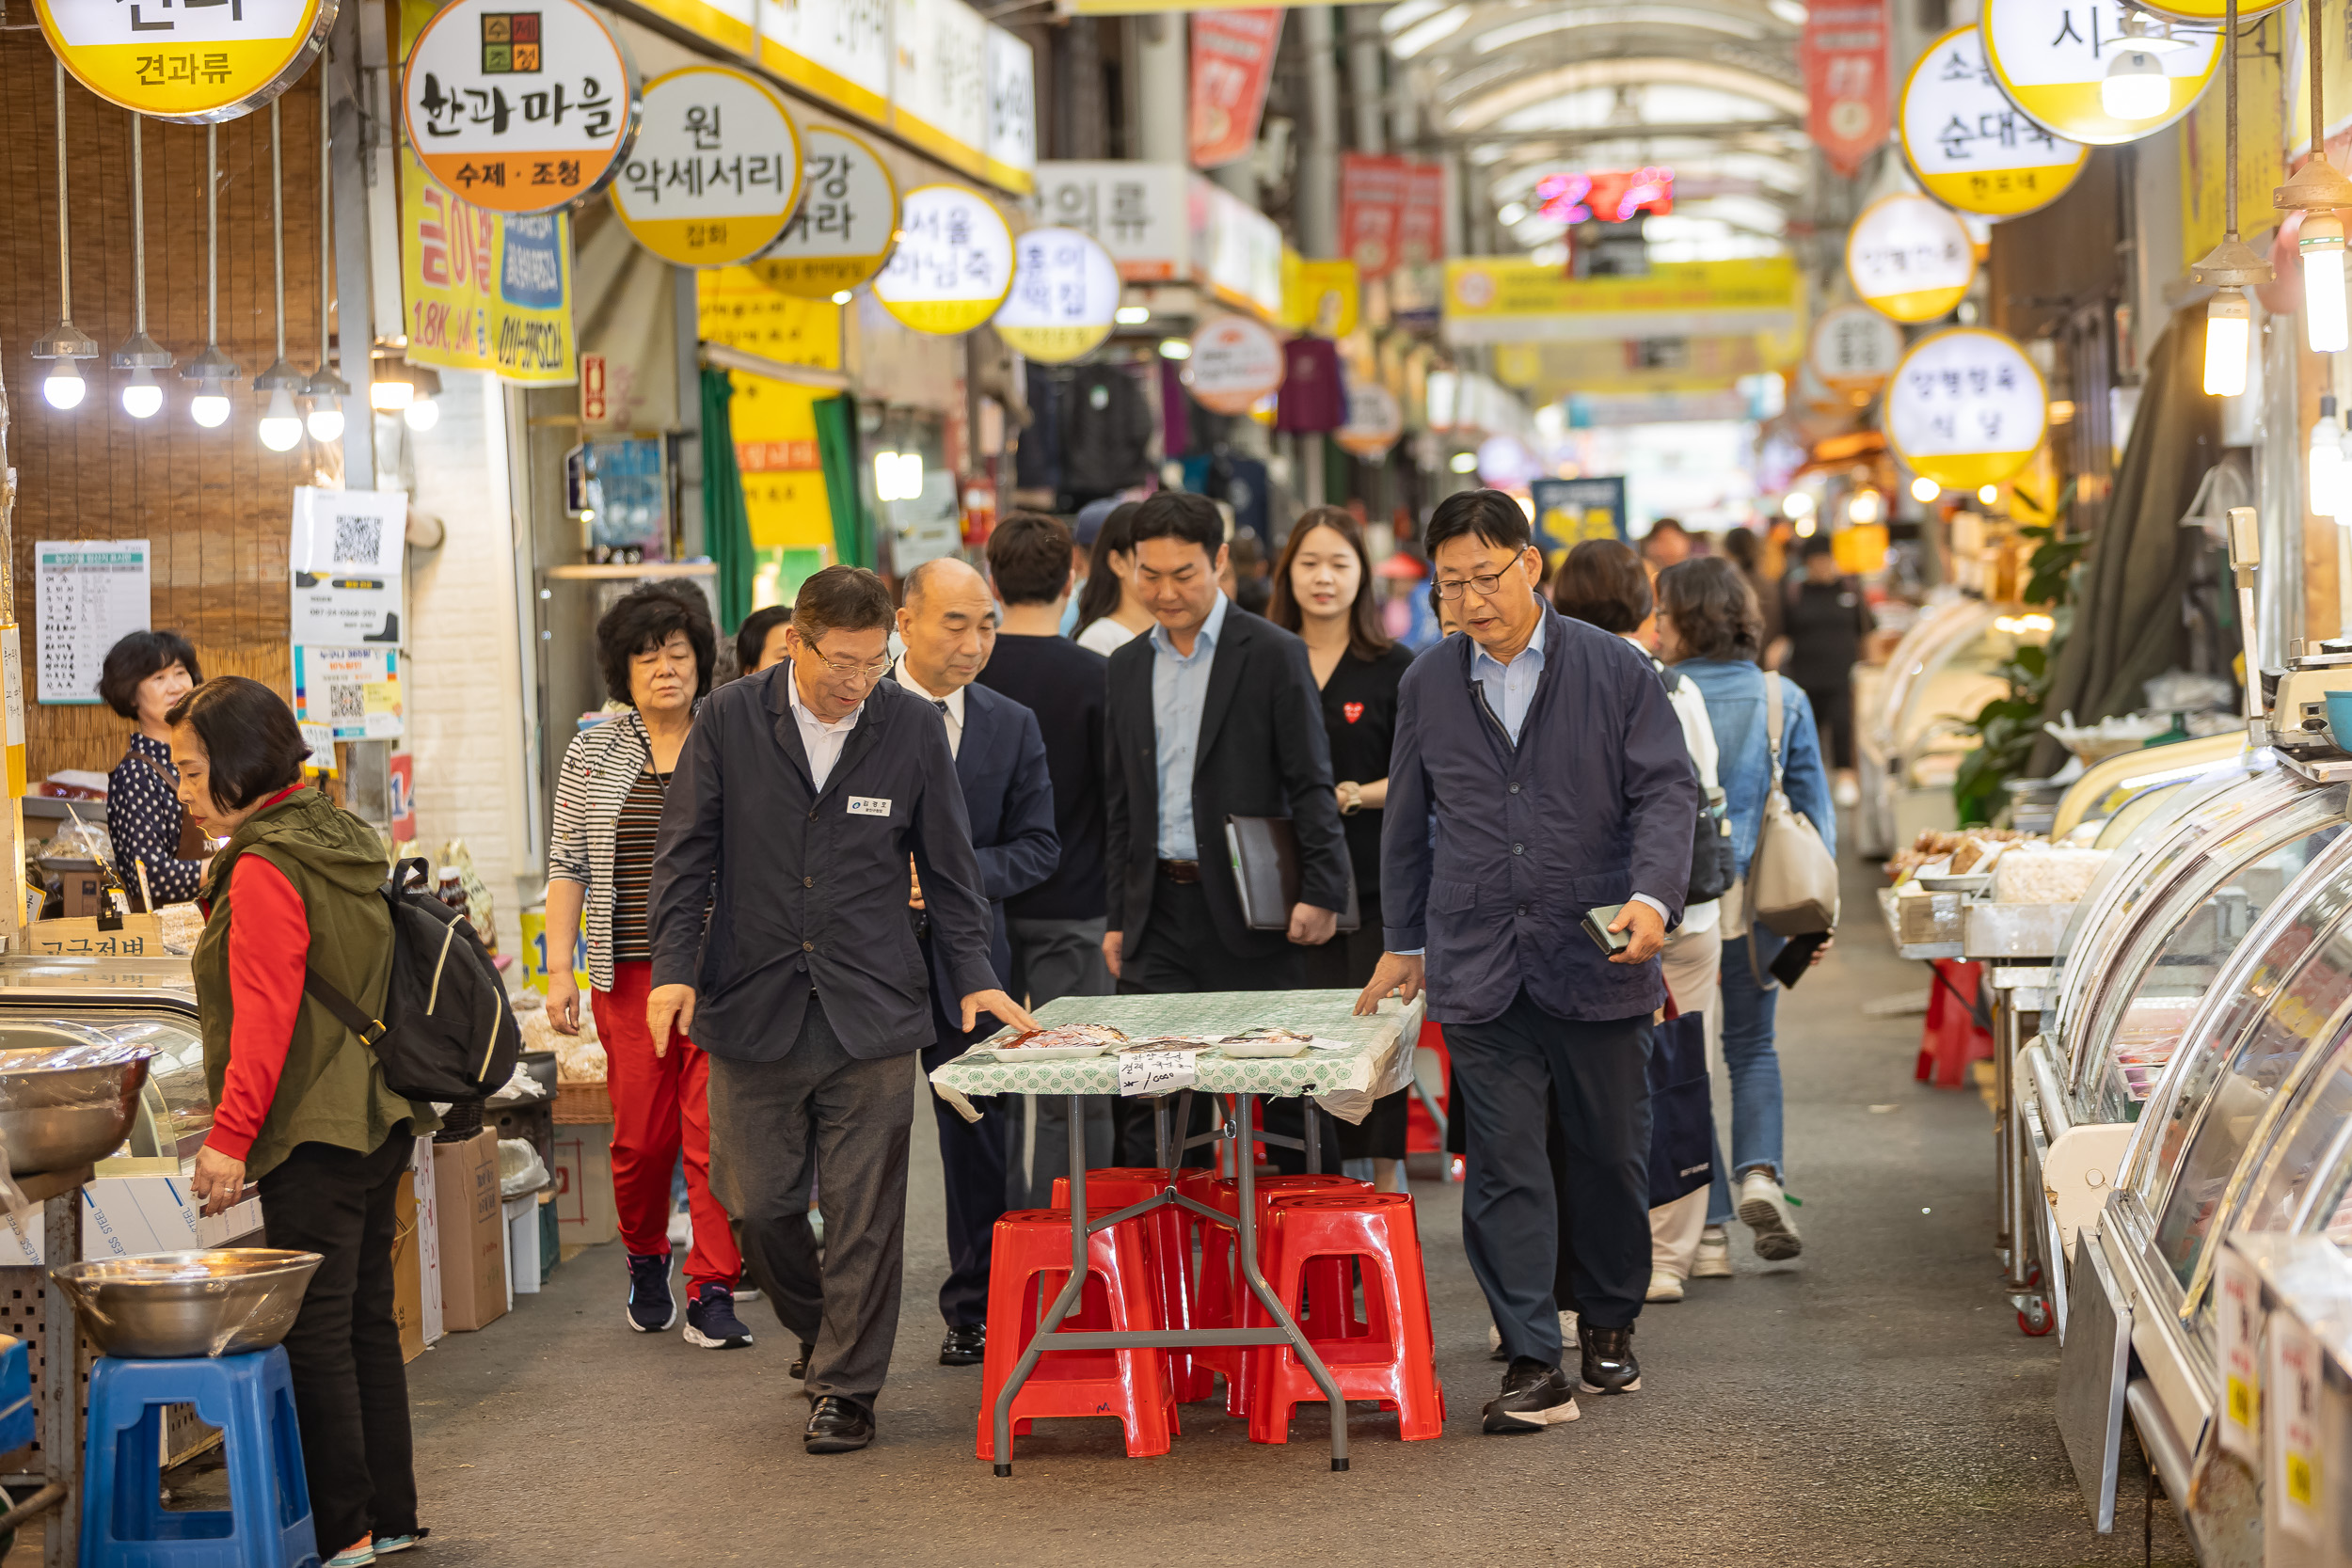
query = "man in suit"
{"x": 1215, "y": 714}
{"x": 781, "y": 940}
{"x": 1549, "y": 754}
{"x": 947, "y": 625}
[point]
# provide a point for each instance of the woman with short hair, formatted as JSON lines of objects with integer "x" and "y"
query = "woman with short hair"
{"x": 145, "y": 674}
{"x": 656, "y": 648}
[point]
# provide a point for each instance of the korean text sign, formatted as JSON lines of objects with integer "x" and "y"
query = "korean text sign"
{"x": 953, "y": 266}
{"x": 196, "y": 61}
{"x": 715, "y": 171}
{"x": 1966, "y": 408}
{"x": 1970, "y": 145}
{"x": 846, "y": 223}
{"x": 519, "y": 111}
{"x": 482, "y": 291}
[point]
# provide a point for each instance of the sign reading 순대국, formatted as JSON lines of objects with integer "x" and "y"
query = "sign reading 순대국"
{"x": 842, "y": 232}
{"x": 197, "y": 62}
{"x": 715, "y": 170}
{"x": 1966, "y": 408}
{"x": 953, "y": 266}
{"x": 1968, "y": 143}
{"x": 1065, "y": 290}
{"x": 519, "y": 111}
{"x": 1910, "y": 257}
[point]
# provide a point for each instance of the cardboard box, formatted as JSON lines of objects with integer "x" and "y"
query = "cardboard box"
{"x": 428, "y": 1239}
{"x": 132, "y": 1216}
{"x": 407, "y": 1274}
{"x": 585, "y": 1212}
{"x": 472, "y": 1223}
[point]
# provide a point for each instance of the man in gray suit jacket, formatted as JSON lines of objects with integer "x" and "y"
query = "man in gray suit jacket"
{"x": 781, "y": 938}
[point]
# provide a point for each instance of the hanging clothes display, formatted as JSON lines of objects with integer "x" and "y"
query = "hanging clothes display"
{"x": 1313, "y": 398}
{"x": 1107, "y": 434}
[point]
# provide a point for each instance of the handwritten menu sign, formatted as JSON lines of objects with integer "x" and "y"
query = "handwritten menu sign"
{"x": 89, "y": 594}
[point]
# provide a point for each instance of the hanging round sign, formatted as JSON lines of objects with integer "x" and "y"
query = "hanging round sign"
{"x": 1967, "y": 142}
{"x": 2212, "y": 11}
{"x": 2069, "y": 69}
{"x": 1854, "y": 348}
{"x": 849, "y": 214}
{"x": 1375, "y": 419}
{"x": 195, "y": 63}
{"x": 713, "y": 175}
{"x": 1234, "y": 363}
{"x": 1966, "y": 408}
{"x": 953, "y": 266}
{"x": 519, "y": 111}
{"x": 1909, "y": 258}
{"x": 1065, "y": 295}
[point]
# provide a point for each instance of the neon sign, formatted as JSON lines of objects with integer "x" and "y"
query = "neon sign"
{"x": 1612, "y": 196}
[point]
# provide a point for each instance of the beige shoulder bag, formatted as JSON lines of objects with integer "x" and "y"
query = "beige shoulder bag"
{"x": 1792, "y": 878}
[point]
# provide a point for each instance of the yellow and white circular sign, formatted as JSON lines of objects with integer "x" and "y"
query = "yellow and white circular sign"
{"x": 1854, "y": 349}
{"x": 953, "y": 266}
{"x": 1064, "y": 299}
{"x": 195, "y": 63}
{"x": 2052, "y": 60}
{"x": 1234, "y": 363}
{"x": 1910, "y": 257}
{"x": 1967, "y": 142}
{"x": 519, "y": 111}
{"x": 848, "y": 215}
{"x": 1966, "y": 408}
{"x": 713, "y": 175}
{"x": 2212, "y": 11}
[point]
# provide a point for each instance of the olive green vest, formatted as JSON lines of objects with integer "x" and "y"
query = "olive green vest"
{"x": 332, "y": 1090}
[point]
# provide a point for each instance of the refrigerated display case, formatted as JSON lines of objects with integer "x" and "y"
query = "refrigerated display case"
{"x": 149, "y": 1002}
{"x": 1944, "y": 667}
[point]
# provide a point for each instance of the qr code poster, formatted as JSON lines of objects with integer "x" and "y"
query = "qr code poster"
{"x": 346, "y": 560}
{"x": 354, "y": 691}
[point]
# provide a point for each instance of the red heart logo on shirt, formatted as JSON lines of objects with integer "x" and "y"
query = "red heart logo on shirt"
{"x": 1353, "y": 710}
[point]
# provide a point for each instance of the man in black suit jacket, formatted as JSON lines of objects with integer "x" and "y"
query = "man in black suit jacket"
{"x": 948, "y": 624}
{"x": 1215, "y": 714}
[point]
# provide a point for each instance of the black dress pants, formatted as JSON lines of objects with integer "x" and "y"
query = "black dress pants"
{"x": 971, "y": 1158}
{"x": 351, "y": 1389}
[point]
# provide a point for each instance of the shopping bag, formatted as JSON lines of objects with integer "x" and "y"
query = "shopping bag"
{"x": 1681, "y": 1145}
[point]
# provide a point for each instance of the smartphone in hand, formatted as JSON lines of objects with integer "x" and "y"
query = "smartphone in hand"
{"x": 1597, "y": 923}
{"x": 1796, "y": 957}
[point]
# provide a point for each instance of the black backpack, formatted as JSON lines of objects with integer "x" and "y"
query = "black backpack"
{"x": 447, "y": 1033}
{"x": 1712, "y": 870}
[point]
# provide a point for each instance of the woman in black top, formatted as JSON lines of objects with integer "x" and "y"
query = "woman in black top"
{"x": 1323, "y": 592}
{"x": 144, "y": 675}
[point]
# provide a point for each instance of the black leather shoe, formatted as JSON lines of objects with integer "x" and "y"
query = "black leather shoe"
{"x": 836, "y": 1425}
{"x": 967, "y": 1346}
{"x": 798, "y": 1369}
{"x": 1608, "y": 1364}
{"x": 1533, "y": 1397}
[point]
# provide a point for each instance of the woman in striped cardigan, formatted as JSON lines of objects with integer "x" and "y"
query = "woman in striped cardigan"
{"x": 656, "y": 648}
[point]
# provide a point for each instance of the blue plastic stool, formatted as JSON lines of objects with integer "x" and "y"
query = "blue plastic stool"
{"x": 250, "y": 1398}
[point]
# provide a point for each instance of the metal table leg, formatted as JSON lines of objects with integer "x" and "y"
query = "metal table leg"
{"x": 1311, "y": 1138}
{"x": 1246, "y": 1249}
{"x": 61, "y": 1393}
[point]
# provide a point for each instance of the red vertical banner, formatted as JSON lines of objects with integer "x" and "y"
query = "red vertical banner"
{"x": 1232, "y": 60}
{"x": 1371, "y": 209}
{"x": 1420, "y": 226}
{"x": 1844, "y": 80}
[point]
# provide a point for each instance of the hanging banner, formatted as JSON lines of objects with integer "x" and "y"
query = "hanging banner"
{"x": 199, "y": 62}
{"x": 953, "y": 266}
{"x": 1065, "y": 294}
{"x": 1966, "y": 408}
{"x": 715, "y": 170}
{"x": 484, "y": 292}
{"x": 1321, "y": 297}
{"x": 1844, "y": 53}
{"x": 1570, "y": 511}
{"x": 1509, "y": 299}
{"x": 848, "y": 218}
{"x": 1854, "y": 349}
{"x": 1909, "y": 258}
{"x": 1420, "y": 224}
{"x": 1967, "y": 142}
{"x": 2056, "y": 68}
{"x": 1234, "y": 363}
{"x": 1372, "y": 203}
{"x": 1232, "y": 60}
{"x": 519, "y": 111}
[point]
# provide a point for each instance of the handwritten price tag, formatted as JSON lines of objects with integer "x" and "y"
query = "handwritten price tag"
{"x": 1149, "y": 1072}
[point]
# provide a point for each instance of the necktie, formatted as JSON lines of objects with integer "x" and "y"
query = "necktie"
{"x": 940, "y": 705}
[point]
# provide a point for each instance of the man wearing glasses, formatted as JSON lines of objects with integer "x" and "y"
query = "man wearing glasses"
{"x": 781, "y": 938}
{"x": 1551, "y": 761}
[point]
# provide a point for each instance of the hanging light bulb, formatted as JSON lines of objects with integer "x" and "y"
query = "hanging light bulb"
{"x": 2134, "y": 86}
{"x": 2233, "y": 266}
{"x": 209, "y": 408}
{"x": 1863, "y": 507}
{"x": 423, "y": 413}
{"x": 2325, "y": 485}
{"x": 64, "y": 385}
{"x": 280, "y": 426}
{"x": 1924, "y": 490}
{"x": 2316, "y": 190}
{"x": 141, "y": 355}
{"x": 390, "y": 386}
{"x": 142, "y": 396}
{"x": 325, "y": 391}
{"x": 66, "y": 343}
{"x": 325, "y": 421}
{"x": 210, "y": 371}
{"x": 886, "y": 476}
{"x": 2228, "y": 342}
{"x": 1989, "y": 494}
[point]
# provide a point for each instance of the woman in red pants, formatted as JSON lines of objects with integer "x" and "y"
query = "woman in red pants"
{"x": 656, "y": 648}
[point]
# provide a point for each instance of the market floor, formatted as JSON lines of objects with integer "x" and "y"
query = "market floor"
{"x": 1872, "y": 1403}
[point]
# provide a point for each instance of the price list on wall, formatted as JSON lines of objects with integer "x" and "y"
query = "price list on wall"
{"x": 89, "y": 594}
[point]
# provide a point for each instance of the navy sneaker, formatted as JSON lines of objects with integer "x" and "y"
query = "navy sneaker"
{"x": 651, "y": 1307}
{"x": 710, "y": 1320}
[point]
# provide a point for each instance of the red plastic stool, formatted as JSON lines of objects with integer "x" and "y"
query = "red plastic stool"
{"x": 1028, "y": 1268}
{"x": 1112, "y": 1188}
{"x": 1222, "y": 1289}
{"x": 1952, "y": 1037}
{"x": 1395, "y": 1361}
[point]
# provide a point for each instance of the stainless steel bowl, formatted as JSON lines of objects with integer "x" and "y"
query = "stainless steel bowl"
{"x": 225, "y": 1302}
{"x": 67, "y": 1094}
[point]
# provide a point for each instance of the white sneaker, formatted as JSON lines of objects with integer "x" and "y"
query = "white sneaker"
{"x": 1664, "y": 1286}
{"x": 1764, "y": 1209}
{"x": 681, "y": 1229}
{"x": 1567, "y": 1336}
{"x": 1714, "y": 1255}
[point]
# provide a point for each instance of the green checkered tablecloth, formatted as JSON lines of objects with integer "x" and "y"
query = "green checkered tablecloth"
{"x": 1345, "y": 1082}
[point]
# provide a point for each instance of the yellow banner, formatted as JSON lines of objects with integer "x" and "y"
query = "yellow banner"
{"x": 1321, "y": 297}
{"x": 482, "y": 291}
{"x": 1506, "y": 300}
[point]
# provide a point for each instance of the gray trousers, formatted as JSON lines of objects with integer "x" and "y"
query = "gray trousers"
{"x": 823, "y": 1113}
{"x": 1052, "y": 958}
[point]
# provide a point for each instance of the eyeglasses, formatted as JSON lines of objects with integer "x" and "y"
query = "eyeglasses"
{"x": 1486, "y": 582}
{"x": 867, "y": 674}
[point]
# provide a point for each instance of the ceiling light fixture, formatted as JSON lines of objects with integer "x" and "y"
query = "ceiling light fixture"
{"x": 325, "y": 391}
{"x": 142, "y": 355}
{"x": 2316, "y": 190}
{"x": 67, "y": 345}
{"x": 212, "y": 370}
{"x": 1924, "y": 490}
{"x": 281, "y": 423}
{"x": 2233, "y": 266}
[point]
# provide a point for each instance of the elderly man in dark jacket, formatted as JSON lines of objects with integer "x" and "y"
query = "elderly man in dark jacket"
{"x": 1551, "y": 761}
{"x": 781, "y": 938}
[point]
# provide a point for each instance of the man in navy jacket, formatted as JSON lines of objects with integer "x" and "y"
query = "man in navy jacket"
{"x": 948, "y": 626}
{"x": 1555, "y": 770}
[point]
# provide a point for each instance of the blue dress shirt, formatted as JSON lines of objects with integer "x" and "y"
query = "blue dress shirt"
{"x": 1179, "y": 690}
{"x": 1510, "y": 687}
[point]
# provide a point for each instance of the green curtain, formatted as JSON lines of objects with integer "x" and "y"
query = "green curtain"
{"x": 726, "y": 523}
{"x": 837, "y": 449}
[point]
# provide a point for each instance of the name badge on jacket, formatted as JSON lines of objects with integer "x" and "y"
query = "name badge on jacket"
{"x": 868, "y": 805}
